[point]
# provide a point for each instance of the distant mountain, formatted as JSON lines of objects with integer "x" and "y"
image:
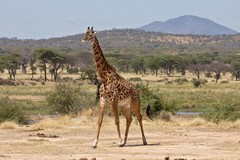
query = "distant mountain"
{"x": 188, "y": 24}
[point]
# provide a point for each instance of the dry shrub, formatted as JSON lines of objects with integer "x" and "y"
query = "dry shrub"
{"x": 237, "y": 124}
{"x": 196, "y": 122}
{"x": 8, "y": 125}
{"x": 88, "y": 112}
{"x": 51, "y": 123}
{"x": 229, "y": 125}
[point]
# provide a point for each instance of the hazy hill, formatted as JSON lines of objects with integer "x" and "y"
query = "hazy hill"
{"x": 188, "y": 25}
{"x": 132, "y": 41}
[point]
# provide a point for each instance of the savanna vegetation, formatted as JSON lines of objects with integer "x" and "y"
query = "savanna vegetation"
{"x": 173, "y": 73}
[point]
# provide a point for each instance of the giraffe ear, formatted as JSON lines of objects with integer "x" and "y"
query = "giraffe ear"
{"x": 95, "y": 33}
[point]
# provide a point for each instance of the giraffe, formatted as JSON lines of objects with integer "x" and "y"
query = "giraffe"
{"x": 115, "y": 90}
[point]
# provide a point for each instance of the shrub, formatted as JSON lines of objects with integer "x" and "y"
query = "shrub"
{"x": 67, "y": 79}
{"x": 156, "y": 102}
{"x": 221, "y": 112}
{"x": 135, "y": 79}
{"x": 165, "y": 116}
{"x": 10, "y": 111}
{"x": 198, "y": 83}
{"x": 180, "y": 80}
{"x": 67, "y": 98}
{"x": 168, "y": 82}
{"x": 73, "y": 70}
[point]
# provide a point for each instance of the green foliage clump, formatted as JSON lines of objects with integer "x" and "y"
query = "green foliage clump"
{"x": 198, "y": 83}
{"x": 181, "y": 80}
{"x": 67, "y": 79}
{"x": 219, "y": 112}
{"x": 135, "y": 79}
{"x": 68, "y": 98}
{"x": 156, "y": 102}
{"x": 74, "y": 70}
{"x": 10, "y": 111}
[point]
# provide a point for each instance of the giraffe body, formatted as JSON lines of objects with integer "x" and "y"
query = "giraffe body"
{"x": 115, "y": 90}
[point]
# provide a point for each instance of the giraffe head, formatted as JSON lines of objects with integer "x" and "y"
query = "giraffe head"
{"x": 89, "y": 35}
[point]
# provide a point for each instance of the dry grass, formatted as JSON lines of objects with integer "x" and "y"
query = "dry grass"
{"x": 53, "y": 123}
{"x": 197, "y": 122}
{"x": 8, "y": 125}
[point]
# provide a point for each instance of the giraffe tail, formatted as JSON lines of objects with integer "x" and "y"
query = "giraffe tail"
{"x": 148, "y": 112}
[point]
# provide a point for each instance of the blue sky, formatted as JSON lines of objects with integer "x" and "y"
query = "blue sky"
{"x": 36, "y": 19}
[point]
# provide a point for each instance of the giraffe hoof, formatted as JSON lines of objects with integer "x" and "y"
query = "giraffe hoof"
{"x": 121, "y": 145}
{"x": 94, "y": 147}
{"x": 145, "y": 143}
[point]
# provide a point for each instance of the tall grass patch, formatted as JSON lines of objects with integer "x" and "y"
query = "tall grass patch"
{"x": 222, "y": 112}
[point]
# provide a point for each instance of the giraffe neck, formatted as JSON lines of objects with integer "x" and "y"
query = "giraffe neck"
{"x": 102, "y": 66}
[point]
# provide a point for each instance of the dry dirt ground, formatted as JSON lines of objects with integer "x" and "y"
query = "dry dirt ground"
{"x": 71, "y": 138}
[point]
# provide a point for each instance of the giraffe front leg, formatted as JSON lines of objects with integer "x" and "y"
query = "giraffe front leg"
{"x": 100, "y": 120}
{"x": 115, "y": 113}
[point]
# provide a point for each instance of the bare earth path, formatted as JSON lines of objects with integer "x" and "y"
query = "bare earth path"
{"x": 72, "y": 141}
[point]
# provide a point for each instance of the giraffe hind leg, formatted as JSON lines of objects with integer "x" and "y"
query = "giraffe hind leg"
{"x": 128, "y": 116}
{"x": 135, "y": 107}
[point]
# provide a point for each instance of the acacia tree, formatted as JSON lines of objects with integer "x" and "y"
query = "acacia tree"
{"x": 123, "y": 65}
{"x": 43, "y": 55}
{"x": 153, "y": 64}
{"x": 198, "y": 64}
{"x": 217, "y": 68}
{"x": 183, "y": 61}
{"x": 235, "y": 69}
{"x": 25, "y": 54}
{"x": 138, "y": 65}
{"x": 169, "y": 63}
{"x": 196, "y": 69}
{"x": 53, "y": 59}
{"x": 56, "y": 61}
{"x": 11, "y": 62}
{"x": 2, "y": 65}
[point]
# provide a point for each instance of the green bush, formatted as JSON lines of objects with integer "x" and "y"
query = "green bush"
{"x": 10, "y": 111}
{"x": 221, "y": 112}
{"x": 198, "y": 83}
{"x": 73, "y": 70}
{"x": 156, "y": 102}
{"x": 68, "y": 98}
